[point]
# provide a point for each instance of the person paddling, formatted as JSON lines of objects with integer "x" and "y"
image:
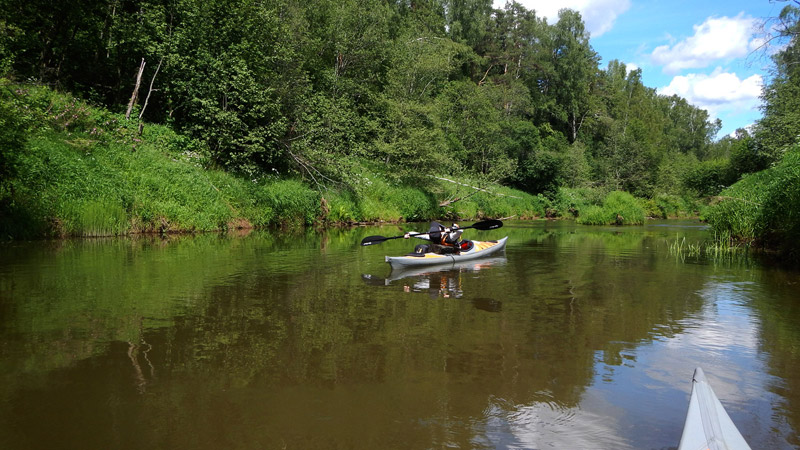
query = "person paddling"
{"x": 443, "y": 240}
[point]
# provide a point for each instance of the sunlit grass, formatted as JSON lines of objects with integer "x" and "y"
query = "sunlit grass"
{"x": 618, "y": 208}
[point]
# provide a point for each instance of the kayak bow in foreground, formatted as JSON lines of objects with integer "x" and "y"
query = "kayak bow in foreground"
{"x": 479, "y": 249}
{"x": 708, "y": 426}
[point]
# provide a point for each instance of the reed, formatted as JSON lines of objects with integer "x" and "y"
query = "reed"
{"x": 681, "y": 248}
{"x": 719, "y": 249}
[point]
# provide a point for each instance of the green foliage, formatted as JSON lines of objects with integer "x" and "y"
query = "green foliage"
{"x": 343, "y": 207}
{"x": 777, "y": 130}
{"x": 410, "y": 143}
{"x": 415, "y": 204}
{"x": 304, "y": 88}
{"x": 292, "y": 201}
{"x": 92, "y": 217}
{"x": 297, "y": 99}
{"x": 673, "y": 206}
{"x": 672, "y": 171}
{"x": 619, "y": 208}
{"x": 472, "y": 129}
{"x": 573, "y": 202}
{"x": 708, "y": 177}
{"x": 7, "y": 54}
{"x": 781, "y": 207}
{"x": 762, "y": 207}
{"x": 596, "y": 215}
{"x": 15, "y": 122}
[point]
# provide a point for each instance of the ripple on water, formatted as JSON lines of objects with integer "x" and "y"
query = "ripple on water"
{"x": 546, "y": 423}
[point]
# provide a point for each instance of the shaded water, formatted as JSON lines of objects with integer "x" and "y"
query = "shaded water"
{"x": 578, "y": 337}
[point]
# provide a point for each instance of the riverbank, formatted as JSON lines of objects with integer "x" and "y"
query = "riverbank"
{"x": 71, "y": 169}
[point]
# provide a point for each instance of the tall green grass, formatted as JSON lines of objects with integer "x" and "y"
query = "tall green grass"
{"x": 100, "y": 217}
{"x": 619, "y": 208}
{"x": 380, "y": 198}
{"x": 86, "y": 172}
{"x": 763, "y": 208}
{"x": 572, "y": 202}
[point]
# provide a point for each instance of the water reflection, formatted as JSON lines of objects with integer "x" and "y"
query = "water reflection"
{"x": 577, "y": 338}
{"x": 438, "y": 281}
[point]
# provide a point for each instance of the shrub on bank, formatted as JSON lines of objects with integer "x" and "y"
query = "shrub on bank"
{"x": 763, "y": 207}
{"x": 618, "y": 208}
{"x": 573, "y": 202}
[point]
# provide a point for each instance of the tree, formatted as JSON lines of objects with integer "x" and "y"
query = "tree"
{"x": 780, "y": 125}
{"x": 467, "y": 20}
{"x": 574, "y": 73}
{"x": 471, "y": 124}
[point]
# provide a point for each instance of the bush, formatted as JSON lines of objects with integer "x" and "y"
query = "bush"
{"x": 709, "y": 177}
{"x": 415, "y": 204}
{"x": 294, "y": 203}
{"x": 618, "y": 208}
{"x": 14, "y": 127}
{"x": 595, "y": 215}
{"x": 572, "y": 202}
{"x": 651, "y": 208}
{"x": 779, "y": 224}
{"x": 763, "y": 207}
{"x": 669, "y": 206}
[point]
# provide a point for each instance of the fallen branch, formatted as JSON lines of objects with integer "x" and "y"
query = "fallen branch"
{"x": 477, "y": 189}
{"x": 448, "y": 202}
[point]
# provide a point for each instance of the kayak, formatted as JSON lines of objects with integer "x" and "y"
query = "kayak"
{"x": 707, "y": 425}
{"x": 477, "y": 249}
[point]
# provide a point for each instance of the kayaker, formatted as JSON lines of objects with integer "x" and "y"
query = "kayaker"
{"x": 443, "y": 240}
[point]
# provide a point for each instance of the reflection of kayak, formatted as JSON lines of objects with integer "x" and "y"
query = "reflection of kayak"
{"x": 450, "y": 269}
{"x": 442, "y": 280}
{"x": 708, "y": 426}
{"x": 479, "y": 249}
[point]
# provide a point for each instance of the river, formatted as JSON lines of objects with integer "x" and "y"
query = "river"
{"x": 577, "y": 337}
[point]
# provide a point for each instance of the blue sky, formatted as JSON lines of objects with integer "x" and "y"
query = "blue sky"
{"x": 710, "y": 52}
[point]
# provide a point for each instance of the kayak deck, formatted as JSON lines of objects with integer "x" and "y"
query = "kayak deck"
{"x": 479, "y": 249}
{"x": 707, "y": 425}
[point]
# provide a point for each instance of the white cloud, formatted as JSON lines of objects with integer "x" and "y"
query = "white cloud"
{"x": 716, "y": 38}
{"x": 630, "y": 67}
{"x": 749, "y": 128}
{"x": 718, "y": 92}
{"x": 598, "y": 15}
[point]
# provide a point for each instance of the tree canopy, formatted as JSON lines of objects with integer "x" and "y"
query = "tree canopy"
{"x": 449, "y": 86}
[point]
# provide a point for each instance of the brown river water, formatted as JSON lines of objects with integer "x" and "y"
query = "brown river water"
{"x": 576, "y": 337}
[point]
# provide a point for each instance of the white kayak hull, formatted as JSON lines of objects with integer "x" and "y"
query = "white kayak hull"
{"x": 707, "y": 425}
{"x": 480, "y": 249}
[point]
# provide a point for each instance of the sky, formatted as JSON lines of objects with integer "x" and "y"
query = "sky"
{"x": 710, "y": 52}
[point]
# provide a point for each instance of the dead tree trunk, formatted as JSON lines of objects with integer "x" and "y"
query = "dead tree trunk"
{"x": 135, "y": 93}
{"x": 149, "y": 91}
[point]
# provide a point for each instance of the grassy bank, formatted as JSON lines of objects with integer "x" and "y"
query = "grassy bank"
{"x": 763, "y": 209}
{"x": 75, "y": 170}
{"x": 70, "y": 169}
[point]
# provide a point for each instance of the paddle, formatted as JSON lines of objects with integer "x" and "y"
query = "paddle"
{"x": 490, "y": 224}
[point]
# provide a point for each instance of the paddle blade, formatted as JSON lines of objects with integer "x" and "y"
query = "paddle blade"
{"x": 491, "y": 224}
{"x": 369, "y": 240}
